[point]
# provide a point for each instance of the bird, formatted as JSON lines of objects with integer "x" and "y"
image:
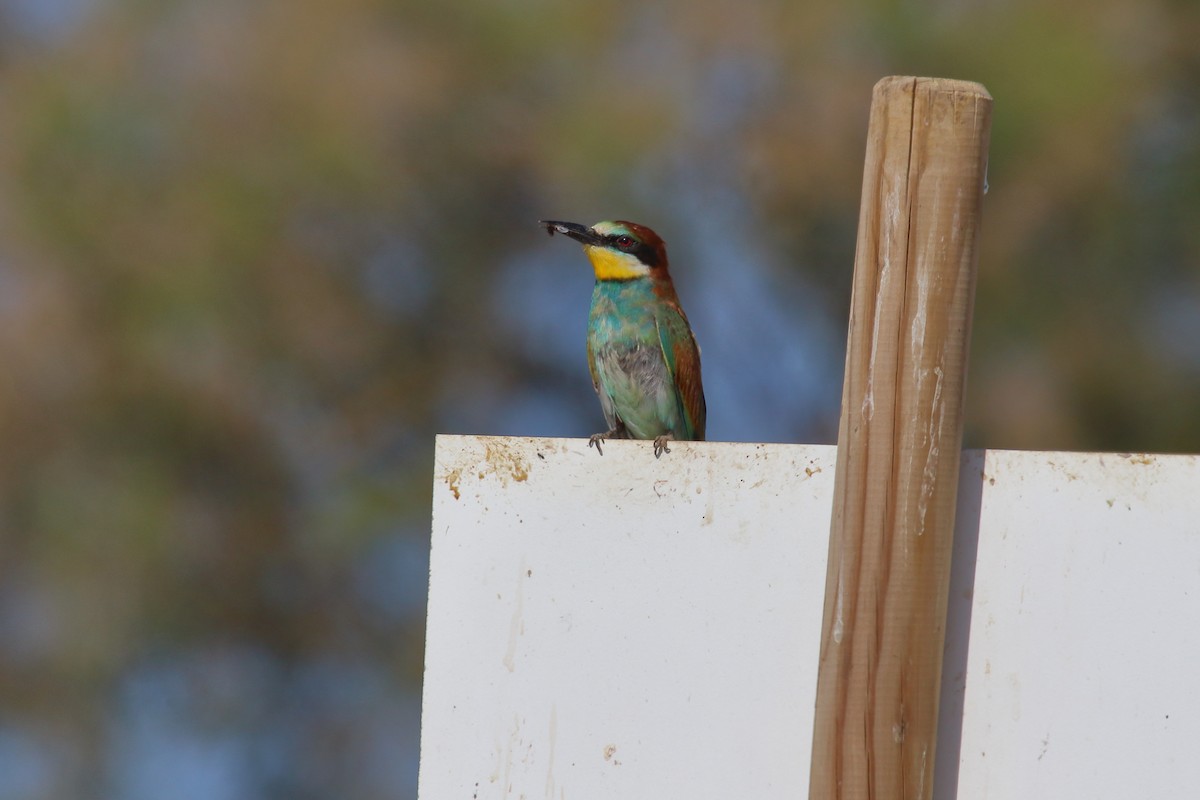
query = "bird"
{"x": 642, "y": 355}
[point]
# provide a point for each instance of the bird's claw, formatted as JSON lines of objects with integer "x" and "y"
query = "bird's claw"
{"x": 660, "y": 445}
{"x": 617, "y": 432}
{"x": 595, "y": 441}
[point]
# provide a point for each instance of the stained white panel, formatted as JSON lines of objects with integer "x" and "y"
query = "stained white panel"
{"x": 1084, "y": 639}
{"x": 621, "y": 626}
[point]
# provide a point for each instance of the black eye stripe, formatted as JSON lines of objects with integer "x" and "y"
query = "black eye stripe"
{"x": 642, "y": 251}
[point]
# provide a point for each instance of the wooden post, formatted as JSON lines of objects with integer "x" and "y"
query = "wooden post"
{"x": 899, "y": 441}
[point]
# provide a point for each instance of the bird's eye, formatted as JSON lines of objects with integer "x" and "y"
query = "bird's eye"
{"x": 625, "y": 242}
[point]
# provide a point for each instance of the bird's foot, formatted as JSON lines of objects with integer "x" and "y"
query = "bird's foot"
{"x": 596, "y": 438}
{"x": 660, "y": 444}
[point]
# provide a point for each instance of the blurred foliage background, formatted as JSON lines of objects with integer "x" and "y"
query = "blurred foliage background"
{"x": 253, "y": 255}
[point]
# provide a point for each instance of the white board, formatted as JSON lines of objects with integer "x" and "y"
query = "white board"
{"x": 621, "y": 626}
{"x": 1084, "y": 643}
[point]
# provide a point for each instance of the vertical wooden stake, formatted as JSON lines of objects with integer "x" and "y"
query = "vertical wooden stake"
{"x": 899, "y": 440}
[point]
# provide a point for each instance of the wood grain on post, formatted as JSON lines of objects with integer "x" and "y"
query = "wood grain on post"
{"x": 899, "y": 441}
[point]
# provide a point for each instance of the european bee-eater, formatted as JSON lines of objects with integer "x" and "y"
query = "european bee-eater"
{"x": 643, "y": 358}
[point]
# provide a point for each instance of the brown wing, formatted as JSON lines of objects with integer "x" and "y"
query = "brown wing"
{"x": 689, "y": 386}
{"x": 683, "y": 360}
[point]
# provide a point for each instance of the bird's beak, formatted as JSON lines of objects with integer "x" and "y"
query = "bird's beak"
{"x": 580, "y": 233}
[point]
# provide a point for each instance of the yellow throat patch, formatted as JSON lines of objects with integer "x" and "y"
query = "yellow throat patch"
{"x": 610, "y": 265}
